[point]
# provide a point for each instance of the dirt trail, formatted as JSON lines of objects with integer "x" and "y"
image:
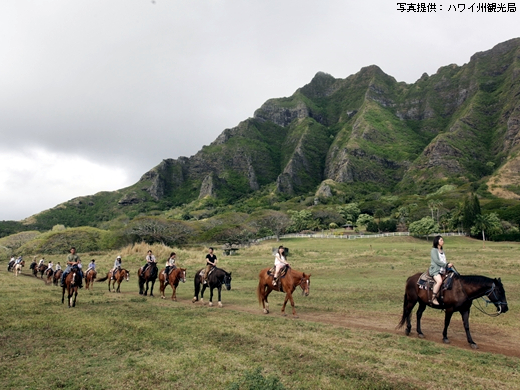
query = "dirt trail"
{"x": 489, "y": 338}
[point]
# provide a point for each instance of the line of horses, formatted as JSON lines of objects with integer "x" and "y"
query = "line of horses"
{"x": 459, "y": 298}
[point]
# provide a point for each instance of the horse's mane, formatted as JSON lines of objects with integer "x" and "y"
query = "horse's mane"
{"x": 474, "y": 279}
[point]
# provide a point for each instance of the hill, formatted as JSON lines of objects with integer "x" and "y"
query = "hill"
{"x": 342, "y": 139}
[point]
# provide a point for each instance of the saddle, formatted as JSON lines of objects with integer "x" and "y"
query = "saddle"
{"x": 203, "y": 270}
{"x": 281, "y": 274}
{"x": 426, "y": 282}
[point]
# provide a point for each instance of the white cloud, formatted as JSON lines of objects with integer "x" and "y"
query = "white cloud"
{"x": 33, "y": 180}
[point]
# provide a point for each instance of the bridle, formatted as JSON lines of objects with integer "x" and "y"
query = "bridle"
{"x": 497, "y": 303}
{"x": 302, "y": 281}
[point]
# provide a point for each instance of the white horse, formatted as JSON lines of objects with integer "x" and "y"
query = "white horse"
{"x": 18, "y": 269}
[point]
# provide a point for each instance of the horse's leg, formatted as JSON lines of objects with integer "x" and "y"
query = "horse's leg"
{"x": 288, "y": 297}
{"x": 75, "y": 296}
{"x": 151, "y": 290}
{"x": 63, "y": 295}
{"x": 219, "y": 293}
{"x": 447, "y": 320}
{"x": 465, "y": 320}
{"x": 119, "y": 286}
{"x": 204, "y": 286}
{"x": 210, "y": 295}
{"x": 420, "y": 311}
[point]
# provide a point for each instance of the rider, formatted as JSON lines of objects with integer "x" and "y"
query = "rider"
{"x": 211, "y": 262}
{"x": 170, "y": 264}
{"x": 117, "y": 267}
{"x": 42, "y": 260}
{"x": 58, "y": 266}
{"x": 438, "y": 266}
{"x": 72, "y": 260}
{"x": 279, "y": 262}
{"x": 92, "y": 265}
{"x": 49, "y": 268}
{"x": 150, "y": 259}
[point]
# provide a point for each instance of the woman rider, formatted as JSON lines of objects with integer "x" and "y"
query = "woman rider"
{"x": 438, "y": 266}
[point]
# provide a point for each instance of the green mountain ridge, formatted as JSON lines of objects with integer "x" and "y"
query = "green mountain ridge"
{"x": 459, "y": 126}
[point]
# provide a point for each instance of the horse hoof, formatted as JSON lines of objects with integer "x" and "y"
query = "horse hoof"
{"x": 211, "y": 304}
{"x": 295, "y": 316}
{"x": 474, "y": 346}
{"x": 194, "y": 300}
{"x": 163, "y": 297}
{"x": 420, "y": 335}
{"x": 284, "y": 315}
{"x": 266, "y": 311}
{"x": 446, "y": 341}
{"x": 407, "y": 332}
{"x": 220, "y": 304}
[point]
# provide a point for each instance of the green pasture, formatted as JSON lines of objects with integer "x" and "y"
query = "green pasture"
{"x": 126, "y": 341}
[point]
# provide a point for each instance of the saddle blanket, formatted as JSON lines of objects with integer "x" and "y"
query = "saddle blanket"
{"x": 282, "y": 273}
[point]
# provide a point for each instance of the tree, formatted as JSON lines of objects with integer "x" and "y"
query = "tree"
{"x": 276, "y": 221}
{"x": 364, "y": 220}
{"x": 423, "y": 227}
{"x": 349, "y": 211}
{"x": 301, "y": 220}
{"x": 153, "y": 229}
{"x": 379, "y": 214}
{"x": 486, "y": 223}
{"x": 470, "y": 211}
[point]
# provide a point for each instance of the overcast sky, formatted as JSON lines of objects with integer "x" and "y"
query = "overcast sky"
{"x": 95, "y": 93}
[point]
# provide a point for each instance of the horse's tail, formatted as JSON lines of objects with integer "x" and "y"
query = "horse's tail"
{"x": 196, "y": 282}
{"x": 103, "y": 279}
{"x": 260, "y": 292}
{"x": 405, "y": 313}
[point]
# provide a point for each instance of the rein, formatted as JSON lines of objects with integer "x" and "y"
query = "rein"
{"x": 479, "y": 307}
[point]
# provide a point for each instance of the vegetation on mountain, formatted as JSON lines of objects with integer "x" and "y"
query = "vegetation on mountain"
{"x": 334, "y": 150}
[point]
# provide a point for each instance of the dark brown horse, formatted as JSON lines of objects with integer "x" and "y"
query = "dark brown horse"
{"x": 120, "y": 275}
{"x": 49, "y": 272}
{"x": 460, "y": 298}
{"x": 216, "y": 279}
{"x": 90, "y": 276}
{"x": 174, "y": 277}
{"x": 71, "y": 284}
{"x": 286, "y": 283}
{"x": 148, "y": 276}
{"x": 39, "y": 268}
{"x": 57, "y": 276}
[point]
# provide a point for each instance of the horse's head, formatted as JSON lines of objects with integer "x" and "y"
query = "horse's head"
{"x": 305, "y": 284}
{"x": 182, "y": 275}
{"x": 127, "y": 278}
{"x": 497, "y": 295}
{"x": 227, "y": 280}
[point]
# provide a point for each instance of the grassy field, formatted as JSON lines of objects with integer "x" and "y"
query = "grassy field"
{"x": 344, "y": 338}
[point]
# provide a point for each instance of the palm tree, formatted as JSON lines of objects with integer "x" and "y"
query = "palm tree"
{"x": 483, "y": 223}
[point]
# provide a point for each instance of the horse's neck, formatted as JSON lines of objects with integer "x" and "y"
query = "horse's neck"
{"x": 476, "y": 286}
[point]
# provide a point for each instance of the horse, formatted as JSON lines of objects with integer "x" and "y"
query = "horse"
{"x": 57, "y": 276}
{"x": 18, "y": 268}
{"x": 146, "y": 277}
{"x": 174, "y": 277}
{"x": 38, "y": 268}
{"x": 120, "y": 275}
{"x": 286, "y": 283}
{"x": 90, "y": 276}
{"x": 459, "y": 298}
{"x": 71, "y": 284}
{"x": 215, "y": 279}
{"x": 49, "y": 273}
{"x": 11, "y": 265}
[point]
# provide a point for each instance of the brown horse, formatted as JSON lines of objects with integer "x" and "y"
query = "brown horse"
{"x": 459, "y": 298}
{"x": 71, "y": 284}
{"x": 175, "y": 276}
{"x": 57, "y": 277}
{"x": 120, "y": 275}
{"x": 90, "y": 276}
{"x": 150, "y": 275}
{"x": 287, "y": 284}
